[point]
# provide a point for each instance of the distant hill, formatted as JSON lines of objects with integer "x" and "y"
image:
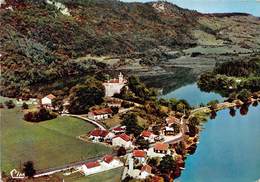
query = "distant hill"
{"x": 41, "y": 39}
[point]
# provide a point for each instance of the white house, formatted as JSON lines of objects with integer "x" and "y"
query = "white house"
{"x": 145, "y": 172}
{"x": 147, "y": 135}
{"x": 97, "y": 134}
{"x": 109, "y": 162}
{"x": 139, "y": 155}
{"x": 169, "y": 130}
{"x": 99, "y": 114}
{"x": 122, "y": 140}
{"x": 91, "y": 168}
{"x": 113, "y": 102}
{"x": 118, "y": 130}
{"x": 47, "y": 101}
{"x": 159, "y": 150}
{"x": 114, "y": 86}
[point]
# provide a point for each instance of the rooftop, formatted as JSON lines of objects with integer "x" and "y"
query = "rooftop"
{"x": 102, "y": 111}
{"x": 51, "y": 96}
{"x": 92, "y": 164}
{"x": 161, "y": 146}
{"x": 146, "y": 133}
{"x": 123, "y": 136}
{"x": 171, "y": 120}
{"x": 99, "y": 133}
{"x": 147, "y": 168}
{"x": 108, "y": 158}
{"x": 139, "y": 153}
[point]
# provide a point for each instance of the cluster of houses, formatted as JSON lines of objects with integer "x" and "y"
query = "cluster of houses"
{"x": 140, "y": 158}
{"x": 158, "y": 146}
{"x": 118, "y": 138}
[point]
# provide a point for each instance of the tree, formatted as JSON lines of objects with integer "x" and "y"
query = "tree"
{"x": 176, "y": 128}
{"x": 9, "y": 104}
{"x": 25, "y": 106}
{"x": 213, "y": 105}
{"x": 167, "y": 165}
{"x": 2, "y": 105}
{"x": 82, "y": 97}
{"x": 115, "y": 110}
{"x": 121, "y": 151}
{"x": 156, "y": 130}
{"x": 194, "y": 121}
{"x": 127, "y": 104}
{"x": 232, "y": 97}
{"x": 243, "y": 95}
{"x": 41, "y": 115}
{"x": 142, "y": 143}
{"x": 28, "y": 169}
{"x": 180, "y": 148}
{"x": 132, "y": 127}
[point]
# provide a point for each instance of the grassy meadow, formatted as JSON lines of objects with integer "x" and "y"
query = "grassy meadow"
{"x": 48, "y": 144}
{"x": 113, "y": 175}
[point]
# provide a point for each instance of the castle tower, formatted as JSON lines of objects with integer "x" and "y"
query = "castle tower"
{"x": 121, "y": 78}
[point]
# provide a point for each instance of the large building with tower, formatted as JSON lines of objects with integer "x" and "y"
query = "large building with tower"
{"x": 114, "y": 86}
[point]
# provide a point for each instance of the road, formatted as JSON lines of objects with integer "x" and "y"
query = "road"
{"x": 86, "y": 119}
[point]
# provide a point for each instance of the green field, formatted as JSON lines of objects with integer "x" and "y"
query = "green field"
{"x": 48, "y": 144}
{"x": 113, "y": 175}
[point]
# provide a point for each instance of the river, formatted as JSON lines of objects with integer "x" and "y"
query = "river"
{"x": 229, "y": 147}
{"x": 193, "y": 95}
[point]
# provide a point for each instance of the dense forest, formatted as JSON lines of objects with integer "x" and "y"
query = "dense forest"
{"x": 232, "y": 76}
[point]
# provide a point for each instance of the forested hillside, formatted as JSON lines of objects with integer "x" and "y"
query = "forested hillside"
{"x": 39, "y": 42}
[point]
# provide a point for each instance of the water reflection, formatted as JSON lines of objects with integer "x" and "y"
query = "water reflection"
{"x": 232, "y": 112}
{"x": 255, "y": 104}
{"x": 243, "y": 110}
{"x": 213, "y": 114}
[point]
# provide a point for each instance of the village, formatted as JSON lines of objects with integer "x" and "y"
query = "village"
{"x": 136, "y": 153}
{"x": 132, "y": 152}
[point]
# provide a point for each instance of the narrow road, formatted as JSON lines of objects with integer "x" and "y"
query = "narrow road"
{"x": 86, "y": 119}
{"x": 49, "y": 171}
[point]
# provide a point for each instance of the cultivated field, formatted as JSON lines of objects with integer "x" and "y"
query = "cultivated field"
{"x": 48, "y": 144}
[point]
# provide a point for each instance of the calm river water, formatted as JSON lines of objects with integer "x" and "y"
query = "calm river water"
{"x": 229, "y": 148}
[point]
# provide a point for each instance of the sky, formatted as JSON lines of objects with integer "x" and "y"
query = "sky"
{"x": 216, "y": 6}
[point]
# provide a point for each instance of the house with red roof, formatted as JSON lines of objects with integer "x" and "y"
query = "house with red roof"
{"x": 145, "y": 171}
{"x": 111, "y": 162}
{"x": 47, "y": 101}
{"x": 98, "y": 135}
{"x": 122, "y": 140}
{"x": 100, "y": 114}
{"x": 160, "y": 147}
{"x": 148, "y": 135}
{"x": 139, "y": 155}
{"x": 91, "y": 168}
{"x": 119, "y": 130}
